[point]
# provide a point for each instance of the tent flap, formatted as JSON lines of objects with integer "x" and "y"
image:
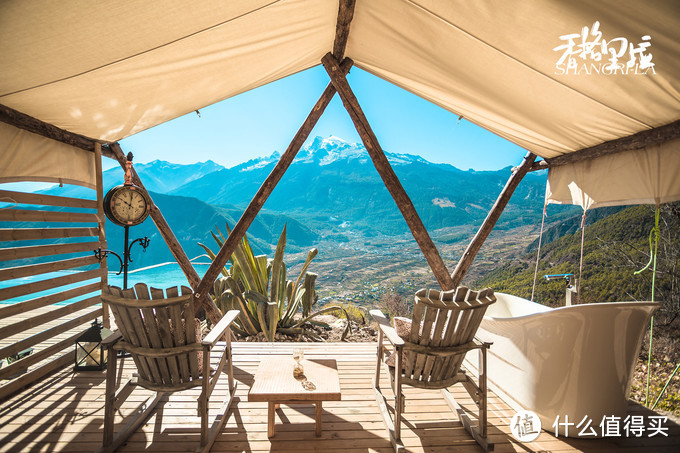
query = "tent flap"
{"x": 31, "y": 157}
{"x": 644, "y": 176}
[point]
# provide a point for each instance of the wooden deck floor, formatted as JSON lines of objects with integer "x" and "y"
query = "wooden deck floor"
{"x": 65, "y": 413}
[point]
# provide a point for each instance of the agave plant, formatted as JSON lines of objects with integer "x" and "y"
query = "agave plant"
{"x": 259, "y": 287}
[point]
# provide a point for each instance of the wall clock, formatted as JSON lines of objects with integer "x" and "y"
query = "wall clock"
{"x": 127, "y": 205}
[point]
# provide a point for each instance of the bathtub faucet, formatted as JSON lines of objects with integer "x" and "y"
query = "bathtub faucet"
{"x": 572, "y": 287}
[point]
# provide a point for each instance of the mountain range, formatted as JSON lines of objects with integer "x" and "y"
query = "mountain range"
{"x": 331, "y": 193}
{"x": 333, "y": 185}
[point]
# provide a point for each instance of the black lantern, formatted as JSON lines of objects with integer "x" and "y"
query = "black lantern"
{"x": 90, "y": 354}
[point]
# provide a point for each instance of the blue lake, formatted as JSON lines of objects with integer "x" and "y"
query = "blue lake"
{"x": 162, "y": 276}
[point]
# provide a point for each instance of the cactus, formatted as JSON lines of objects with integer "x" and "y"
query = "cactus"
{"x": 259, "y": 288}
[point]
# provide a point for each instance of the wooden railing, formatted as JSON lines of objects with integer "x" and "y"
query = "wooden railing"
{"x": 51, "y": 282}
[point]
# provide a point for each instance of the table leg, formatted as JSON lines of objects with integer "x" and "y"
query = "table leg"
{"x": 270, "y": 418}
{"x": 319, "y": 420}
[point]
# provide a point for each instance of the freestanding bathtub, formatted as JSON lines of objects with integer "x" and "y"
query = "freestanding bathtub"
{"x": 575, "y": 361}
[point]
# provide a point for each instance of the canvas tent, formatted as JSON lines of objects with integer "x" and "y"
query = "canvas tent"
{"x": 107, "y": 70}
{"x": 87, "y": 74}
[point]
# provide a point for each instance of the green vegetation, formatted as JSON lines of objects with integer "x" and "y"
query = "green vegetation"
{"x": 614, "y": 248}
{"x": 258, "y": 286}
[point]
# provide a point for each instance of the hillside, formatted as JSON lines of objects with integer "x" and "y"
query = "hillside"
{"x": 192, "y": 221}
{"x": 332, "y": 183}
{"x": 615, "y": 247}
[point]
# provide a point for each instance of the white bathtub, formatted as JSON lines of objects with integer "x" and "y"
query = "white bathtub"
{"x": 572, "y": 361}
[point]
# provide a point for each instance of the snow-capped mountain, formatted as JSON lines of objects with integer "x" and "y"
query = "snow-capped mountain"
{"x": 326, "y": 151}
{"x": 332, "y": 178}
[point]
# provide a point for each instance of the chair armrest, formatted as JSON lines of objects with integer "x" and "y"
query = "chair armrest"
{"x": 112, "y": 339}
{"x": 482, "y": 344}
{"x": 218, "y": 331}
{"x": 386, "y": 328}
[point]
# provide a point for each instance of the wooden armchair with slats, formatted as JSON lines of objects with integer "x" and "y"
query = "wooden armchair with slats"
{"x": 427, "y": 352}
{"x": 159, "y": 331}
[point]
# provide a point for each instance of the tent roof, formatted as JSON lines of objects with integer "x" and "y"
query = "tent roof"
{"x": 111, "y": 69}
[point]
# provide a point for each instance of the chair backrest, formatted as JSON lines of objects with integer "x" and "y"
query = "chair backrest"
{"x": 160, "y": 332}
{"x": 444, "y": 323}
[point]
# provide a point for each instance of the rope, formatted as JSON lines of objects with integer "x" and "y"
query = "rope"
{"x": 665, "y": 386}
{"x": 538, "y": 252}
{"x": 654, "y": 237}
{"x": 580, "y": 267}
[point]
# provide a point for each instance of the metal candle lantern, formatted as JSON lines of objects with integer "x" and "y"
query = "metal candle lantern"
{"x": 90, "y": 354}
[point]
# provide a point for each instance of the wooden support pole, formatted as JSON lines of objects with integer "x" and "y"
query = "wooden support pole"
{"x": 491, "y": 219}
{"x": 650, "y": 137}
{"x": 345, "y": 16}
{"x": 267, "y": 187}
{"x": 176, "y": 249}
{"x": 26, "y": 122}
{"x": 101, "y": 222}
{"x": 387, "y": 173}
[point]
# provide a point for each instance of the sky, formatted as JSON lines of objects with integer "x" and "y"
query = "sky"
{"x": 258, "y": 122}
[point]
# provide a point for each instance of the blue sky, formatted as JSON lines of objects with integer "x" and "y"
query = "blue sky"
{"x": 264, "y": 120}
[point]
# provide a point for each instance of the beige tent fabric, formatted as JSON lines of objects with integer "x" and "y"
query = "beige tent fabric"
{"x": 108, "y": 70}
{"x": 646, "y": 176}
{"x": 31, "y": 157}
{"x": 493, "y": 63}
{"x": 112, "y": 69}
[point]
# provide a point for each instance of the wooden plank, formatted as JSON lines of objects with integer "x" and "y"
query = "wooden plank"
{"x": 47, "y": 200}
{"x": 27, "y": 322}
{"x": 382, "y": 165}
{"x": 43, "y": 268}
{"x": 7, "y": 310}
{"x": 43, "y": 285}
{"x": 101, "y": 227}
{"x": 26, "y": 122}
{"x": 39, "y": 356}
{"x": 650, "y": 137}
{"x": 494, "y": 214}
{"x": 27, "y": 234}
{"x": 30, "y": 215}
{"x": 33, "y": 251}
{"x": 34, "y": 375}
{"x": 265, "y": 190}
{"x": 49, "y": 333}
{"x": 345, "y": 15}
{"x": 149, "y": 319}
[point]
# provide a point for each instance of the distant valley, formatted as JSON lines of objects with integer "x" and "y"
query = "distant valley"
{"x": 332, "y": 198}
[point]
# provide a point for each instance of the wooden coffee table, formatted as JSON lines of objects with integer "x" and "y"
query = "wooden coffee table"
{"x": 275, "y": 384}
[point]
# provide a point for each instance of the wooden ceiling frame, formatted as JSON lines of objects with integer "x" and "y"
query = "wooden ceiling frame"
{"x": 650, "y": 137}
{"x": 337, "y": 72}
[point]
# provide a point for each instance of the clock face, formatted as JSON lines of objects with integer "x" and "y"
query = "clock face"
{"x": 126, "y": 205}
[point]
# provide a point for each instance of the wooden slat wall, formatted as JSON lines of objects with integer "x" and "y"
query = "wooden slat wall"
{"x": 51, "y": 281}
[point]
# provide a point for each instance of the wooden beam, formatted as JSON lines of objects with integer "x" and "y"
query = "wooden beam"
{"x": 47, "y": 200}
{"x": 387, "y": 173}
{"x": 176, "y": 249}
{"x": 650, "y": 137}
{"x": 34, "y": 125}
{"x": 101, "y": 224}
{"x": 491, "y": 219}
{"x": 268, "y": 186}
{"x": 345, "y": 15}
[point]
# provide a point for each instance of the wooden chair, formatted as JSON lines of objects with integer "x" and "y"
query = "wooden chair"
{"x": 429, "y": 356}
{"x": 161, "y": 334}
